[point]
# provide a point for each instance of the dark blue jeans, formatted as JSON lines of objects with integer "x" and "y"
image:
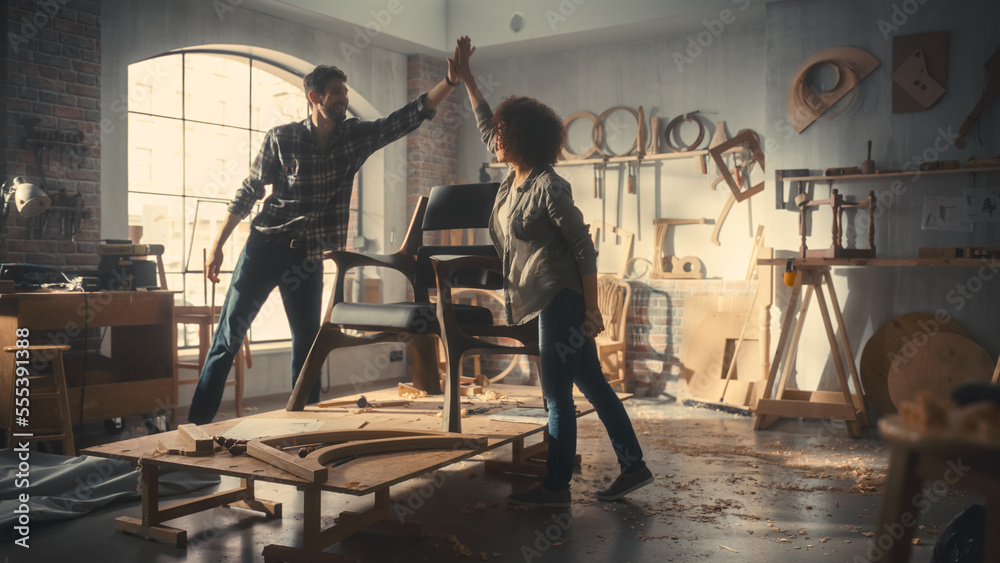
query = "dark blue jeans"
{"x": 568, "y": 357}
{"x": 267, "y": 261}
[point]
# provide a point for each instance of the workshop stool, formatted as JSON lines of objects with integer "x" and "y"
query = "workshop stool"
{"x": 945, "y": 462}
{"x": 39, "y": 395}
{"x": 205, "y": 320}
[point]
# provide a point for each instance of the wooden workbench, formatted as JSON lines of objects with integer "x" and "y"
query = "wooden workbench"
{"x": 139, "y": 379}
{"x": 372, "y": 474}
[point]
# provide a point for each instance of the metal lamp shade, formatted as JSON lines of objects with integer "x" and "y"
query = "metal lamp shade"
{"x": 29, "y": 198}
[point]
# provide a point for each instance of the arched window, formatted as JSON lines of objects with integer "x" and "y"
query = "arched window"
{"x": 196, "y": 120}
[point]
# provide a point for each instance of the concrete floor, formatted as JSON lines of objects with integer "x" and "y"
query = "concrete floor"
{"x": 799, "y": 491}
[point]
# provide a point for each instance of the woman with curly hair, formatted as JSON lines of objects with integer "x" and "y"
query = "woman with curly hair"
{"x": 550, "y": 271}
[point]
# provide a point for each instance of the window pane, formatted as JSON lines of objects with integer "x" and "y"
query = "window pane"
{"x": 203, "y": 221}
{"x": 162, "y": 219}
{"x": 277, "y": 97}
{"x": 271, "y": 323}
{"x": 216, "y": 160}
{"x": 154, "y": 86}
{"x": 217, "y": 89}
{"x": 154, "y": 153}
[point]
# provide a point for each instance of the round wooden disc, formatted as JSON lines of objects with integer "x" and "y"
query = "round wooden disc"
{"x": 938, "y": 364}
{"x": 888, "y": 340}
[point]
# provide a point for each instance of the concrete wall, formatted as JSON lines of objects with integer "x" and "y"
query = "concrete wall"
{"x": 741, "y": 74}
{"x": 872, "y": 296}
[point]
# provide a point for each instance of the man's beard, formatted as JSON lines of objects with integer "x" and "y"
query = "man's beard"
{"x": 336, "y": 113}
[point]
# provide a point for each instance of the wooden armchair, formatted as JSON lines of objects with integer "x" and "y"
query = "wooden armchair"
{"x": 613, "y": 296}
{"x": 466, "y": 206}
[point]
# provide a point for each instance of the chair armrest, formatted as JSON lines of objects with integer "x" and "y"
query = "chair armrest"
{"x": 346, "y": 261}
{"x": 445, "y": 267}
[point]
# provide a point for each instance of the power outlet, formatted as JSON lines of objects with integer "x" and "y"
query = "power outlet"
{"x": 396, "y": 356}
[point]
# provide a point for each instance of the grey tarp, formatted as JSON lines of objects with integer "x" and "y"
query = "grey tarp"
{"x": 67, "y": 487}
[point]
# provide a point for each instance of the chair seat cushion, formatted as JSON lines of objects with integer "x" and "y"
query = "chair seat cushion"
{"x": 404, "y": 317}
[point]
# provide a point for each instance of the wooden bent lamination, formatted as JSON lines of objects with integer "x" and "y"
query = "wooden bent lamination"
{"x": 346, "y": 443}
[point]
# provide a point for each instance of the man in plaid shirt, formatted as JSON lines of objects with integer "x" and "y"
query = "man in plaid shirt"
{"x": 310, "y": 166}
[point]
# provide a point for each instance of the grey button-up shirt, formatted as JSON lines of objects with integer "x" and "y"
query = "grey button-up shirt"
{"x": 544, "y": 243}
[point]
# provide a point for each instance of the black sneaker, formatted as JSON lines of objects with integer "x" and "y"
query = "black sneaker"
{"x": 625, "y": 484}
{"x": 539, "y": 496}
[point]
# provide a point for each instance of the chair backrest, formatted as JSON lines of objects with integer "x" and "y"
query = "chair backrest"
{"x": 613, "y": 297}
{"x": 460, "y": 206}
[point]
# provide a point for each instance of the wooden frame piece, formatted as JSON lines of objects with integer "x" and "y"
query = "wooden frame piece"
{"x": 596, "y": 134}
{"x": 345, "y": 443}
{"x": 750, "y": 139}
{"x": 688, "y": 267}
{"x": 677, "y": 121}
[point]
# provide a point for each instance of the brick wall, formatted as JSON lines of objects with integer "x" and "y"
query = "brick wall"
{"x": 53, "y": 82}
{"x": 654, "y": 321}
{"x": 432, "y": 150}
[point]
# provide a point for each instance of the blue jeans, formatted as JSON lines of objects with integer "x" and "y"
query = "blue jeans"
{"x": 267, "y": 261}
{"x": 568, "y": 357}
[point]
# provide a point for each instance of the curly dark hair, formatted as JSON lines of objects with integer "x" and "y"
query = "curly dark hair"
{"x": 317, "y": 80}
{"x": 530, "y": 133}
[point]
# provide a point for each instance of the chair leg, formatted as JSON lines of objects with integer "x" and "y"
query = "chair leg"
{"x": 59, "y": 373}
{"x": 423, "y": 352}
{"x": 452, "y": 421}
{"x": 329, "y": 338}
{"x": 239, "y": 373}
{"x": 325, "y": 342}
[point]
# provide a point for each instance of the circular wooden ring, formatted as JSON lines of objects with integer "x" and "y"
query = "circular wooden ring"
{"x": 677, "y": 121}
{"x": 597, "y": 125}
{"x": 597, "y": 133}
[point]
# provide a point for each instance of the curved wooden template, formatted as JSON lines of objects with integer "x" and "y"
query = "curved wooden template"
{"x": 269, "y": 449}
{"x": 722, "y": 217}
{"x": 862, "y": 62}
{"x": 675, "y": 122}
{"x": 882, "y": 346}
{"x": 597, "y": 140}
{"x": 946, "y": 361}
{"x": 330, "y": 454}
{"x": 597, "y": 133}
{"x": 676, "y": 264}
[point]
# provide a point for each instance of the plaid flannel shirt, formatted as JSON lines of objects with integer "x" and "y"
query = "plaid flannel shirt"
{"x": 311, "y": 188}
